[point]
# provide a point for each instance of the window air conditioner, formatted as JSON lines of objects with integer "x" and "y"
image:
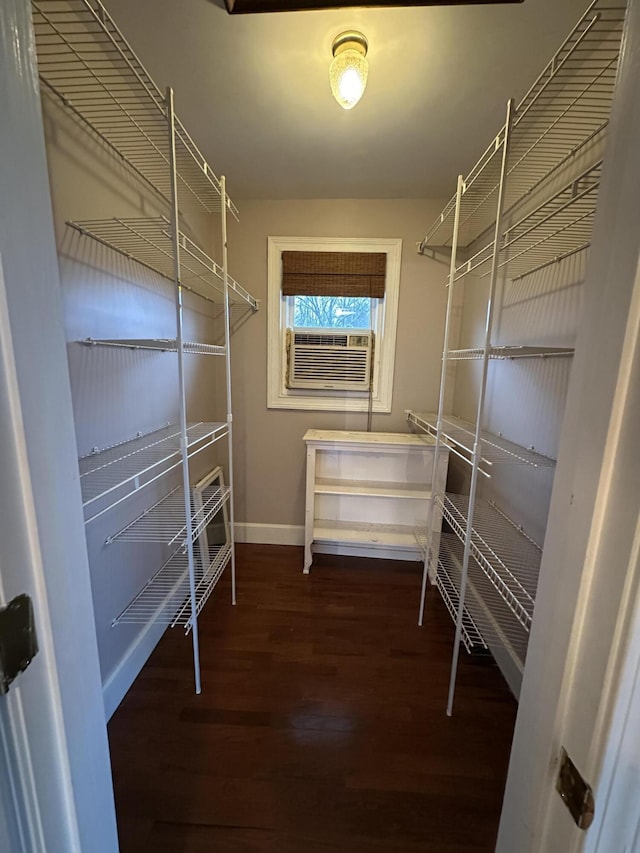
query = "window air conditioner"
{"x": 328, "y": 359}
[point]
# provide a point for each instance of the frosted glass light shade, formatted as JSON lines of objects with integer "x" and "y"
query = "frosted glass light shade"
{"x": 349, "y": 69}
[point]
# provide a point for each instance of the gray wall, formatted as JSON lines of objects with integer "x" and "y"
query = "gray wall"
{"x": 269, "y": 451}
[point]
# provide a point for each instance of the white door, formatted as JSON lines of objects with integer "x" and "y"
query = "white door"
{"x": 580, "y": 689}
{"x": 55, "y": 790}
{"x": 33, "y": 742}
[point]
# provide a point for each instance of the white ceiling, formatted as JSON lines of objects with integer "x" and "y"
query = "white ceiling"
{"x": 253, "y": 90}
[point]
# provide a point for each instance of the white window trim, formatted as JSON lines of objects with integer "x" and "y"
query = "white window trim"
{"x": 280, "y": 397}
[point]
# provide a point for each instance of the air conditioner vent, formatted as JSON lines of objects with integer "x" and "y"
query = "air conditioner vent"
{"x": 325, "y": 360}
{"x": 319, "y": 339}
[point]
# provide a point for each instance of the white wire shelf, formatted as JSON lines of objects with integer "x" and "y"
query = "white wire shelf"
{"x": 158, "y": 344}
{"x": 504, "y": 352}
{"x": 564, "y": 111}
{"x": 471, "y": 635}
{"x": 85, "y": 61}
{"x": 508, "y": 558}
{"x": 494, "y": 449}
{"x": 129, "y": 466}
{"x": 487, "y": 621}
{"x": 149, "y": 242}
{"x": 557, "y": 229}
{"x": 165, "y": 598}
{"x": 164, "y": 522}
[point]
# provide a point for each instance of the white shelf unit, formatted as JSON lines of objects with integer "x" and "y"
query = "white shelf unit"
{"x": 367, "y": 492}
{"x": 527, "y": 204}
{"x": 86, "y": 64}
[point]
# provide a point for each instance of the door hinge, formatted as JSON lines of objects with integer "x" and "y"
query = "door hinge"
{"x": 18, "y": 641}
{"x": 576, "y": 793}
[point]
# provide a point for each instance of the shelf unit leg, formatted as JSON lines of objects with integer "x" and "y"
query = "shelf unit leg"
{"x": 443, "y": 381}
{"x": 227, "y": 346}
{"x": 183, "y": 398}
{"x": 481, "y": 400}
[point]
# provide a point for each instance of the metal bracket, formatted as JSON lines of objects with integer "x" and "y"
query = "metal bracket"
{"x": 18, "y": 641}
{"x": 576, "y": 793}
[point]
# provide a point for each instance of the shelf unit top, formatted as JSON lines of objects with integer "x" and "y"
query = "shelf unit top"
{"x": 499, "y": 353}
{"x": 163, "y": 522}
{"x": 149, "y": 455}
{"x": 149, "y": 242}
{"x": 86, "y": 62}
{"x": 374, "y": 439}
{"x": 157, "y": 344}
{"x": 509, "y": 559}
{"x": 564, "y": 111}
{"x": 495, "y": 450}
{"x": 165, "y": 598}
{"x": 555, "y": 230}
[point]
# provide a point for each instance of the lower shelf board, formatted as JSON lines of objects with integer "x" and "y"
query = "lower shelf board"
{"x": 166, "y": 597}
{"x": 364, "y": 533}
{"x": 370, "y": 488}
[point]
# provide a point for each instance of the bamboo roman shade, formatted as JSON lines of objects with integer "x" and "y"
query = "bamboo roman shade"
{"x": 334, "y": 274}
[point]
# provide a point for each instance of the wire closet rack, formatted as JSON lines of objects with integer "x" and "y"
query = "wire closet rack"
{"x": 528, "y": 203}
{"x": 87, "y": 65}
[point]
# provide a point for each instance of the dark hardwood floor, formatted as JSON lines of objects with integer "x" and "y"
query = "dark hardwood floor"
{"x": 321, "y": 725}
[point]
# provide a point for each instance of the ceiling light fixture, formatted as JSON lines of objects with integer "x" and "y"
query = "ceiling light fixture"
{"x": 349, "y": 69}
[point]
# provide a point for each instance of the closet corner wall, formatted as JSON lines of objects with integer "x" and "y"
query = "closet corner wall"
{"x": 515, "y": 237}
{"x": 149, "y": 315}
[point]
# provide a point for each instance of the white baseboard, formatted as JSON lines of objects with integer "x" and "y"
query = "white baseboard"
{"x": 269, "y": 534}
{"x": 115, "y": 687}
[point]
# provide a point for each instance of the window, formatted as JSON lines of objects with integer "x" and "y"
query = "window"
{"x": 332, "y": 312}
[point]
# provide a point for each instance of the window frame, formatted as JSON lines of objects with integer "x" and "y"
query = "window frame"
{"x": 281, "y": 397}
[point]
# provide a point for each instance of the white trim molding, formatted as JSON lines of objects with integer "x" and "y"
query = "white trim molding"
{"x": 280, "y": 397}
{"x": 269, "y": 534}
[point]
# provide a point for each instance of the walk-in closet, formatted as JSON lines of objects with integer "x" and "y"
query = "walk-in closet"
{"x": 319, "y": 359}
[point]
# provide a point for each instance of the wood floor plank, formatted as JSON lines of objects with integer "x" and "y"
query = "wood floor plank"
{"x": 321, "y": 725}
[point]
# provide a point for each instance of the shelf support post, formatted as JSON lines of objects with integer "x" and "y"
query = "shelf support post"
{"x": 227, "y": 346}
{"x": 441, "y": 402}
{"x": 175, "y": 237}
{"x": 481, "y": 400}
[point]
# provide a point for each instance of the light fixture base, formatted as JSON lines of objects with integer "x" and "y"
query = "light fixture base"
{"x": 350, "y": 40}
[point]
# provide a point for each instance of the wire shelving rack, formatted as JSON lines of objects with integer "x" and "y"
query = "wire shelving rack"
{"x": 157, "y": 344}
{"x": 149, "y": 242}
{"x": 165, "y": 597}
{"x": 87, "y": 65}
{"x": 528, "y": 203}
{"x": 564, "y": 112}
{"x": 164, "y": 522}
{"x": 495, "y": 450}
{"x": 115, "y": 472}
{"x": 86, "y": 62}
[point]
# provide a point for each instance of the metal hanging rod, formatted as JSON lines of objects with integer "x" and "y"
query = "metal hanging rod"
{"x": 149, "y": 242}
{"x": 507, "y": 557}
{"x": 86, "y": 62}
{"x": 165, "y": 597}
{"x": 135, "y": 463}
{"x": 495, "y": 450}
{"x": 158, "y": 344}
{"x": 564, "y": 113}
{"x": 503, "y": 352}
{"x": 163, "y": 522}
